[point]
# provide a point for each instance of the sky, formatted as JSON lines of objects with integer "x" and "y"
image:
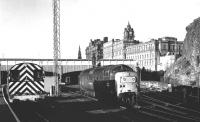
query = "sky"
{"x": 26, "y": 26}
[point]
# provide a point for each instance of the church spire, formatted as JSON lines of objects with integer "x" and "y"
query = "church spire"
{"x": 128, "y": 26}
{"x": 79, "y": 53}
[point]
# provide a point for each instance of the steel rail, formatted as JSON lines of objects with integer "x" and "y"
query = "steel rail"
{"x": 167, "y": 106}
{"x": 10, "y": 108}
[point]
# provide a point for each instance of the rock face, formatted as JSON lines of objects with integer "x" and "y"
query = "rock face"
{"x": 185, "y": 70}
{"x": 192, "y": 39}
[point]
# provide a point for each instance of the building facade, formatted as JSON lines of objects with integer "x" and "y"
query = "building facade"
{"x": 156, "y": 54}
{"x": 152, "y": 53}
{"x": 144, "y": 53}
{"x": 170, "y": 45}
{"x": 116, "y": 48}
{"x": 108, "y": 49}
{"x": 95, "y": 49}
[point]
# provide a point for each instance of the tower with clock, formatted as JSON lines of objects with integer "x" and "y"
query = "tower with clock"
{"x": 129, "y": 33}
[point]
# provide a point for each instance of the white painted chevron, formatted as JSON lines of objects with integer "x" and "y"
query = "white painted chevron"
{"x": 26, "y": 86}
{"x": 33, "y": 85}
{"x": 17, "y": 88}
{"x": 26, "y": 91}
{"x": 10, "y": 83}
{"x": 33, "y": 68}
{"x": 39, "y": 68}
{"x": 23, "y": 65}
{"x": 14, "y": 67}
{"x": 42, "y": 82}
{"x": 15, "y": 84}
{"x": 39, "y": 85}
{"x": 26, "y": 75}
{"x": 26, "y": 69}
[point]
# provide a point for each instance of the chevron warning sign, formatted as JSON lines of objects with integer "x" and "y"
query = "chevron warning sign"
{"x": 26, "y": 78}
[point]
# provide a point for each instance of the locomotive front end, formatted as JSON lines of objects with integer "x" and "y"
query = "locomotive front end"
{"x": 126, "y": 87}
{"x": 25, "y": 82}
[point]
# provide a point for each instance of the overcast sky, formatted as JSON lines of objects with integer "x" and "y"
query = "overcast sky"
{"x": 26, "y": 26}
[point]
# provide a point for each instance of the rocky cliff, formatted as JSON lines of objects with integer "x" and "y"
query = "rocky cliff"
{"x": 184, "y": 71}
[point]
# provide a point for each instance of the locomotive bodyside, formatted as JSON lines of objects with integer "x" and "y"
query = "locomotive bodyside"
{"x": 25, "y": 82}
{"x": 107, "y": 83}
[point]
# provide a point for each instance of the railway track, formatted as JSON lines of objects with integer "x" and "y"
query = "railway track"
{"x": 166, "y": 107}
{"x": 128, "y": 114}
{"x": 173, "y": 98}
{"x": 24, "y": 111}
{"x": 168, "y": 111}
{"x": 176, "y": 99}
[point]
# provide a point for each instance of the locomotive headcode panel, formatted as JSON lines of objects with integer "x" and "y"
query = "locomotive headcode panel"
{"x": 125, "y": 82}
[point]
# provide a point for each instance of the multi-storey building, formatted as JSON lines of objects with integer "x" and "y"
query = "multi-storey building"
{"x": 151, "y": 53}
{"x": 155, "y": 54}
{"x": 116, "y": 49}
{"x": 95, "y": 49}
{"x": 144, "y": 54}
{"x": 108, "y": 49}
{"x": 170, "y": 45}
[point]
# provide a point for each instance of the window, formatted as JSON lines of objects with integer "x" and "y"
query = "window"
{"x": 164, "y": 47}
{"x": 14, "y": 75}
{"x": 153, "y": 55}
{"x": 152, "y": 46}
{"x": 38, "y": 75}
{"x": 106, "y": 73}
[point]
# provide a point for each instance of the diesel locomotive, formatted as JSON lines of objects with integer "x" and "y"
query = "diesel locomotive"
{"x": 25, "y": 82}
{"x": 110, "y": 83}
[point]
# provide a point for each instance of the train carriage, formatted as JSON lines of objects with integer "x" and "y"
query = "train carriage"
{"x": 108, "y": 83}
{"x": 25, "y": 82}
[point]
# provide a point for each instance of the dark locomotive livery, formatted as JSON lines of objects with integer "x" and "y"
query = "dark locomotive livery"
{"x": 25, "y": 82}
{"x": 110, "y": 83}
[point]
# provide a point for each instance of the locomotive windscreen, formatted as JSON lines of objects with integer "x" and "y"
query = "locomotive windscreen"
{"x": 38, "y": 75}
{"x": 14, "y": 75}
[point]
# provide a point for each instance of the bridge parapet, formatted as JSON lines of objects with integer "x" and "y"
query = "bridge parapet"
{"x": 67, "y": 65}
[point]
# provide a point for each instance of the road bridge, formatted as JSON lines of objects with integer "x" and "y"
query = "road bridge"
{"x": 67, "y": 65}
